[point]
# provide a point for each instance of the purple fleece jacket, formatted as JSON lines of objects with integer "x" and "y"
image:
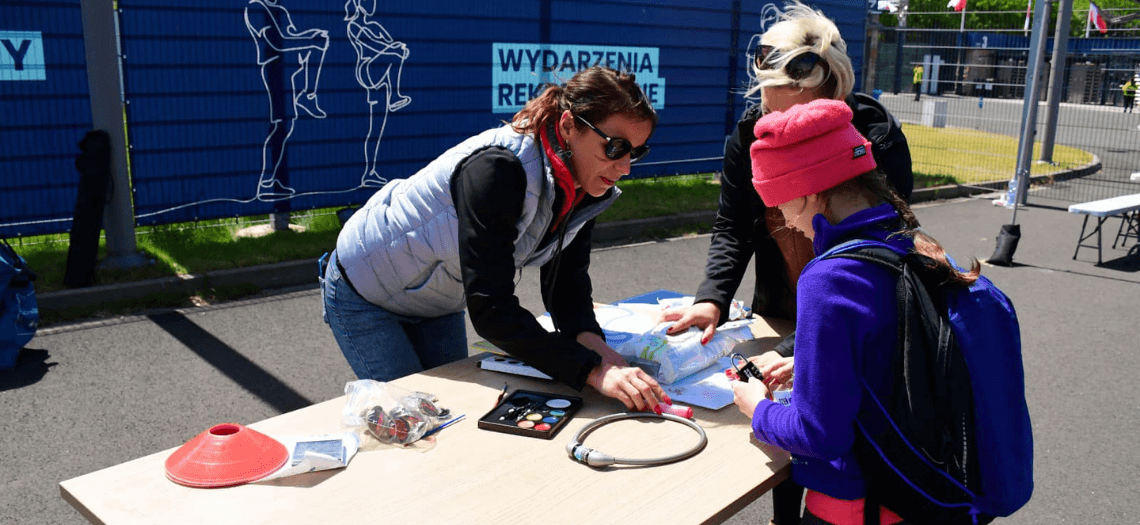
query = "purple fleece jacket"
{"x": 846, "y": 328}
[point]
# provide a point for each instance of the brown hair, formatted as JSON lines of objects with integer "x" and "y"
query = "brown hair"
{"x": 594, "y": 93}
{"x": 875, "y": 186}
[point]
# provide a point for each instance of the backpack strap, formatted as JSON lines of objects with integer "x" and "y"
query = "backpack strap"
{"x": 877, "y": 252}
{"x": 919, "y": 295}
{"x": 870, "y": 505}
{"x": 881, "y": 254}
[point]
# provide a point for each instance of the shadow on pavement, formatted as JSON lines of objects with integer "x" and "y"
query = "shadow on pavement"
{"x": 225, "y": 359}
{"x": 31, "y": 366}
{"x": 1128, "y": 263}
{"x": 1122, "y": 264}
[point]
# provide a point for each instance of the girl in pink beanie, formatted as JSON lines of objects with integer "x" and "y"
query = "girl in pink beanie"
{"x": 802, "y": 57}
{"x": 811, "y": 163}
{"x": 805, "y": 150}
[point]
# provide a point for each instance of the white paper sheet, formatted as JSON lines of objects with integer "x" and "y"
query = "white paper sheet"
{"x": 709, "y": 388}
{"x": 316, "y": 452}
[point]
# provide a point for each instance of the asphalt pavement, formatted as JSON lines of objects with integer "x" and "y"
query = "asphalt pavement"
{"x": 95, "y": 394}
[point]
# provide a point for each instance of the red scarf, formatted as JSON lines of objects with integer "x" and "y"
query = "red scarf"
{"x": 562, "y": 175}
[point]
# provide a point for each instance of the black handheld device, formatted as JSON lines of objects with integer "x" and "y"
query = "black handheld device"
{"x": 746, "y": 371}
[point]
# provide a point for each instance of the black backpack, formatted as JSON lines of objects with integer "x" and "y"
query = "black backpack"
{"x": 952, "y": 444}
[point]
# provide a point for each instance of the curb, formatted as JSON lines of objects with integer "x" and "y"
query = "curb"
{"x": 615, "y": 231}
{"x": 268, "y": 276}
{"x": 304, "y": 272}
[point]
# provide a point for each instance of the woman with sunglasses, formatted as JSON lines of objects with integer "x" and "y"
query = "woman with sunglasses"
{"x": 800, "y": 58}
{"x": 454, "y": 235}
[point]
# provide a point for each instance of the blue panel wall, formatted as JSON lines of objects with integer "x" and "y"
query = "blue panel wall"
{"x": 221, "y": 123}
{"x": 44, "y": 113}
{"x": 222, "y": 119}
{"x": 851, "y": 18}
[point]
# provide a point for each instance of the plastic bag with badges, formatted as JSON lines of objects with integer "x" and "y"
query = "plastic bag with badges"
{"x": 389, "y": 414}
{"x": 683, "y": 354}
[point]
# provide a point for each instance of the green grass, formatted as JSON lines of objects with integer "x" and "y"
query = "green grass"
{"x": 941, "y": 156}
{"x": 968, "y": 156}
{"x": 655, "y": 197}
{"x": 182, "y": 249}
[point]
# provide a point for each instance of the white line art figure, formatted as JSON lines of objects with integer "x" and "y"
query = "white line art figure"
{"x": 278, "y": 41}
{"x": 769, "y": 15}
{"x": 376, "y": 54}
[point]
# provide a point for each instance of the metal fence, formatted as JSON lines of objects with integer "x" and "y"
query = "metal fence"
{"x": 973, "y": 88}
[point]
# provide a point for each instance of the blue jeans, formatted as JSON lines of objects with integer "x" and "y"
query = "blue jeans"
{"x": 382, "y": 345}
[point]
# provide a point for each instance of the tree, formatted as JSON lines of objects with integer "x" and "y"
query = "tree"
{"x": 1006, "y": 15}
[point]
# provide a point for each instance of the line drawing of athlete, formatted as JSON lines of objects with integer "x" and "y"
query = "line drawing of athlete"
{"x": 769, "y": 14}
{"x": 376, "y": 54}
{"x": 278, "y": 41}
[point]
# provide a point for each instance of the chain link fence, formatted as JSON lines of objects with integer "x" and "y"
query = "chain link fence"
{"x": 973, "y": 87}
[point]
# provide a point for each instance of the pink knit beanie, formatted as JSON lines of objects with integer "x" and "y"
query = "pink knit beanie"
{"x": 807, "y": 149}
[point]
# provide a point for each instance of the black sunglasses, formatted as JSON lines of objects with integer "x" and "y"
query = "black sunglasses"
{"x": 797, "y": 68}
{"x": 617, "y": 147}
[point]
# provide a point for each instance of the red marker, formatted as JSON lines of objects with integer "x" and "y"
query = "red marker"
{"x": 676, "y": 410}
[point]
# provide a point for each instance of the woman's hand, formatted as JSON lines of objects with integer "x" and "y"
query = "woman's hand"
{"x": 615, "y": 378}
{"x": 630, "y": 385}
{"x": 704, "y": 315}
{"x": 748, "y": 395}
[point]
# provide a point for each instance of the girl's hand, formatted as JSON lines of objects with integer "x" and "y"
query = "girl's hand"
{"x": 748, "y": 395}
{"x": 778, "y": 371}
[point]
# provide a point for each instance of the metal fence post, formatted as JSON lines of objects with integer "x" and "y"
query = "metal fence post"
{"x": 1056, "y": 77}
{"x": 1031, "y": 100}
{"x": 108, "y": 113}
{"x": 870, "y": 65}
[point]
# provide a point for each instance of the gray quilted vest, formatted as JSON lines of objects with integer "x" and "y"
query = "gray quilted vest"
{"x": 400, "y": 251}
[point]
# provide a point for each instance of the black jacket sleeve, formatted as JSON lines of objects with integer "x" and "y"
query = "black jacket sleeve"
{"x": 888, "y": 144}
{"x": 570, "y": 297}
{"x": 787, "y": 346}
{"x": 732, "y": 241}
{"x": 489, "y": 189}
{"x": 739, "y": 231}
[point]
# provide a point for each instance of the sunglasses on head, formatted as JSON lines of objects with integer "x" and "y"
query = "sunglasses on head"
{"x": 797, "y": 68}
{"x": 617, "y": 147}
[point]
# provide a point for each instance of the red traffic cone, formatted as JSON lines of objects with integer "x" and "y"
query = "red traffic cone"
{"x": 225, "y": 455}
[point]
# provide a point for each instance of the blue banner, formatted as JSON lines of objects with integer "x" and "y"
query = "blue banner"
{"x": 22, "y": 56}
{"x": 45, "y": 113}
{"x": 519, "y": 72}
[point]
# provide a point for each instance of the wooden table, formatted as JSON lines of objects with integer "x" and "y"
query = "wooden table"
{"x": 469, "y": 475}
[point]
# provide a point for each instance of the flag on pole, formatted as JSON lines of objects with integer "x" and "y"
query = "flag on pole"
{"x": 1095, "y": 17}
{"x": 1028, "y": 7}
{"x": 957, "y": 5}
